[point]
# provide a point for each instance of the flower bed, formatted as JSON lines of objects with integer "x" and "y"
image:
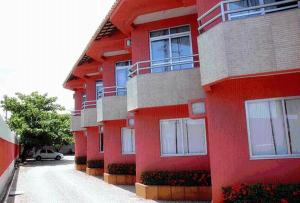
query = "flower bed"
{"x": 95, "y": 163}
{"x": 80, "y": 163}
{"x": 282, "y": 193}
{"x": 121, "y": 169}
{"x": 182, "y": 185}
{"x": 180, "y": 178}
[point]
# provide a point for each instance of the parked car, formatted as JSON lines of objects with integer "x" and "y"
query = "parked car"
{"x": 47, "y": 154}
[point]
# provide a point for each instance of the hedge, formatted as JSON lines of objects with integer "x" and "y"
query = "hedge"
{"x": 281, "y": 193}
{"x": 95, "y": 163}
{"x": 80, "y": 160}
{"x": 180, "y": 178}
{"x": 121, "y": 169}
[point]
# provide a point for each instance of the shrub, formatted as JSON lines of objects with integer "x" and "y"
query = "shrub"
{"x": 281, "y": 193}
{"x": 180, "y": 178}
{"x": 121, "y": 169}
{"x": 95, "y": 163}
{"x": 80, "y": 160}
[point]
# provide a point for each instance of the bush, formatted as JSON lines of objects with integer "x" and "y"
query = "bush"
{"x": 95, "y": 163}
{"x": 80, "y": 160}
{"x": 121, "y": 169}
{"x": 180, "y": 178}
{"x": 281, "y": 193}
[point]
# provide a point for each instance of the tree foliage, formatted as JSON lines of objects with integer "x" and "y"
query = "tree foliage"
{"x": 38, "y": 120}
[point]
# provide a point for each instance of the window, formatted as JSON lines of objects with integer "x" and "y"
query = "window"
{"x": 99, "y": 89}
{"x": 274, "y": 127}
{"x": 170, "y": 48}
{"x": 122, "y": 77}
{"x": 43, "y": 151}
{"x": 101, "y": 139}
{"x": 50, "y": 151}
{"x": 128, "y": 141}
{"x": 183, "y": 137}
{"x": 83, "y": 100}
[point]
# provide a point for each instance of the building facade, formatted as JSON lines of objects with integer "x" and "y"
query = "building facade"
{"x": 193, "y": 85}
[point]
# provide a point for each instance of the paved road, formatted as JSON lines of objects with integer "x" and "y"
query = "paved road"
{"x": 58, "y": 182}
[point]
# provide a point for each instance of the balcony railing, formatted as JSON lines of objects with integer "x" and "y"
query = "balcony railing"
{"x": 164, "y": 65}
{"x": 89, "y": 104}
{"x": 223, "y": 12}
{"x": 114, "y": 91}
{"x": 76, "y": 113}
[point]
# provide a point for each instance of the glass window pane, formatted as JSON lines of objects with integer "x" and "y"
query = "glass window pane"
{"x": 277, "y": 119}
{"x": 181, "y": 52}
{"x": 160, "y": 55}
{"x": 198, "y": 108}
{"x": 121, "y": 80}
{"x": 180, "y": 29}
{"x": 133, "y": 139}
{"x": 159, "y": 33}
{"x": 99, "y": 89}
{"x": 260, "y": 128}
{"x": 293, "y": 117}
{"x": 168, "y": 137}
{"x": 196, "y": 136}
{"x": 127, "y": 146}
{"x": 244, "y": 4}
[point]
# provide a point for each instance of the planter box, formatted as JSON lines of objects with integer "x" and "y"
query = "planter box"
{"x": 119, "y": 179}
{"x": 95, "y": 171}
{"x": 80, "y": 167}
{"x": 157, "y": 192}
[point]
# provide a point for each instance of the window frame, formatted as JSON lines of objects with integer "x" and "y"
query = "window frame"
{"x": 181, "y": 123}
{"x": 170, "y": 37}
{"x": 133, "y": 144}
{"x": 262, "y": 157}
{"x": 116, "y": 75}
{"x": 97, "y": 82}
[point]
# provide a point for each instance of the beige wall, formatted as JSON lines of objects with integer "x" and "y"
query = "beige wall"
{"x": 112, "y": 108}
{"x": 254, "y": 45}
{"x": 164, "y": 89}
{"x": 89, "y": 117}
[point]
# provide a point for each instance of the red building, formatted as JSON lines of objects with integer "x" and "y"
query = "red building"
{"x": 141, "y": 97}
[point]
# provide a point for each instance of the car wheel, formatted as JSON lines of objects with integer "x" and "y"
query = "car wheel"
{"x": 38, "y": 158}
{"x": 58, "y": 158}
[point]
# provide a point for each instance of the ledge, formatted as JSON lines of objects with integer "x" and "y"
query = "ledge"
{"x": 156, "y": 192}
{"x": 119, "y": 179}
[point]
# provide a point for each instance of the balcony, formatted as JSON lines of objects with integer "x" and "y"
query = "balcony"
{"x": 113, "y": 104}
{"x": 249, "y": 40}
{"x": 172, "y": 81}
{"x": 75, "y": 121}
{"x": 89, "y": 114}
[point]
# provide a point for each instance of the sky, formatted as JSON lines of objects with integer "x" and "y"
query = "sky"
{"x": 41, "y": 40}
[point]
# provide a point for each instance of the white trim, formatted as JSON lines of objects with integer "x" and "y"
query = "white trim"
{"x": 187, "y": 154}
{"x": 5, "y": 177}
{"x": 259, "y": 157}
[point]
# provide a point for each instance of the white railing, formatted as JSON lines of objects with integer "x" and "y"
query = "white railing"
{"x": 114, "y": 91}
{"x": 89, "y": 104}
{"x": 76, "y": 113}
{"x": 222, "y": 12}
{"x": 164, "y": 65}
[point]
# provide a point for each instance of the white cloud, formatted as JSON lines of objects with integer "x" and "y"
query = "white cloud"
{"x": 40, "y": 40}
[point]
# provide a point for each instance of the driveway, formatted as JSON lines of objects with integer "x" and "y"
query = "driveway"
{"x": 58, "y": 182}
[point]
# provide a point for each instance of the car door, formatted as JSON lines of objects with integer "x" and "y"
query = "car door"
{"x": 43, "y": 154}
{"x": 50, "y": 154}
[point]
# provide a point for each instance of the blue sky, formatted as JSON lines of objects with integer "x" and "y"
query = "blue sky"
{"x": 40, "y": 41}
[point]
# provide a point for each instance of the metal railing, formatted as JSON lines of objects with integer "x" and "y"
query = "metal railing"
{"x": 114, "y": 91}
{"x": 89, "y": 104}
{"x": 164, "y": 65}
{"x": 222, "y": 12}
{"x": 76, "y": 113}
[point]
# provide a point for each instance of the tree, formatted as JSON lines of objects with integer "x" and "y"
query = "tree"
{"x": 39, "y": 121}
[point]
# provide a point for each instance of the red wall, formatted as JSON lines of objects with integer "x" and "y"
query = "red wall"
{"x": 80, "y": 143}
{"x": 229, "y": 150}
{"x": 8, "y": 152}
{"x": 140, "y": 35}
{"x": 112, "y": 143}
{"x": 93, "y": 145}
{"x": 147, "y": 132}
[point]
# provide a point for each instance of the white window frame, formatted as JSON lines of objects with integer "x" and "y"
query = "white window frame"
{"x": 181, "y": 123}
{"x": 98, "y": 82}
{"x": 170, "y": 37}
{"x": 133, "y": 144}
{"x": 259, "y": 157}
{"x": 118, "y": 68}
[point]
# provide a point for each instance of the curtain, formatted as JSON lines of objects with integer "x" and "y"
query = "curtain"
{"x": 196, "y": 131}
{"x": 127, "y": 145}
{"x": 168, "y": 137}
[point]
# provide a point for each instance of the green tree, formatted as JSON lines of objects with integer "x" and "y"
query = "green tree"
{"x": 38, "y": 120}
